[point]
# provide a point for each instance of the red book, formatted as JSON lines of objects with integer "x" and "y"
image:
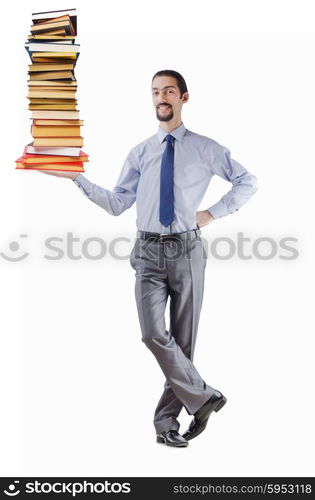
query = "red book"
{"x": 33, "y": 159}
{"x": 75, "y": 166}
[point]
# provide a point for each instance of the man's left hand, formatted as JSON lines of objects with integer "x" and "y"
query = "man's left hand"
{"x": 203, "y": 218}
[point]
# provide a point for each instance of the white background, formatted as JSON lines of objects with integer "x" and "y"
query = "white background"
{"x": 78, "y": 386}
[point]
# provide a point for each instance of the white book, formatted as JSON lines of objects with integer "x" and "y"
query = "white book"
{"x": 53, "y": 13}
{"x": 68, "y": 42}
{"x": 58, "y": 151}
{"x": 52, "y": 47}
{"x": 55, "y": 114}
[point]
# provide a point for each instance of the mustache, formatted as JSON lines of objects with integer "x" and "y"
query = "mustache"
{"x": 163, "y": 104}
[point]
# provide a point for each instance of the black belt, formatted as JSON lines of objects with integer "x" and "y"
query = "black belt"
{"x": 186, "y": 235}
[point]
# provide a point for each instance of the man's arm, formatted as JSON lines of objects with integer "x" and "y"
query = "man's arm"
{"x": 124, "y": 193}
{"x": 244, "y": 183}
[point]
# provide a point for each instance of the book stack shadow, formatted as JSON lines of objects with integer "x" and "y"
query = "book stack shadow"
{"x": 56, "y": 125}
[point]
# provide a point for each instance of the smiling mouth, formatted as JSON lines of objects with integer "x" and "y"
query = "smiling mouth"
{"x": 164, "y": 106}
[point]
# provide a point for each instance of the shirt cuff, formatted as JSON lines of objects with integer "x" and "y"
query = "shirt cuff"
{"x": 76, "y": 180}
{"x": 80, "y": 180}
{"x": 219, "y": 210}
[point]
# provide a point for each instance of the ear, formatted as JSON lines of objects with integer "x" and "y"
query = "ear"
{"x": 185, "y": 97}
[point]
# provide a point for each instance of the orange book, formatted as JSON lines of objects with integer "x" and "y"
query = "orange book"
{"x": 61, "y": 167}
{"x": 58, "y": 141}
{"x": 61, "y": 123}
{"x": 57, "y": 107}
{"x": 41, "y": 131}
{"x": 33, "y": 159}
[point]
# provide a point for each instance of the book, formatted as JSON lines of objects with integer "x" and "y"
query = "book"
{"x": 36, "y": 67}
{"x": 60, "y": 123}
{"x": 56, "y": 115}
{"x": 52, "y": 86}
{"x": 54, "y": 60}
{"x": 56, "y": 31}
{"x": 60, "y": 151}
{"x": 49, "y": 83}
{"x": 54, "y": 94}
{"x": 52, "y": 75}
{"x": 54, "y": 55}
{"x": 33, "y": 159}
{"x": 55, "y": 131}
{"x": 40, "y": 16}
{"x": 47, "y": 104}
{"x": 50, "y": 47}
{"x": 58, "y": 141}
{"x": 48, "y": 37}
{"x": 52, "y": 25}
{"x": 51, "y": 107}
{"x": 61, "y": 167}
{"x": 55, "y": 19}
{"x": 52, "y": 100}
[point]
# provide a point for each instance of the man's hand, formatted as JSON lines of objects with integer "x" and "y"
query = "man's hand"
{"x": 66, "y": 175}
{"x": 203, "y": 218}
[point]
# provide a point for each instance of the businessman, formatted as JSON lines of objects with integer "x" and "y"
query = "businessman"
{"x": 167, "y": 176}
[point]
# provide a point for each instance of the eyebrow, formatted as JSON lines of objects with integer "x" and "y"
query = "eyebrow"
{"x": 167, "y": 87}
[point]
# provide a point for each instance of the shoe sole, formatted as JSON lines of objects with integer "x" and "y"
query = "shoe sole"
{"x": 216, "y": 409}
{"x": 179, "y": 445}
{"x": 220, "y": 405}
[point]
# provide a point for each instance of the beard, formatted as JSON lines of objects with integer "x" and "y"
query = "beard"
{"x": 165, "y": 118}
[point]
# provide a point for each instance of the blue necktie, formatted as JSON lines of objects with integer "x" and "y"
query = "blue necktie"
{"x": 167, "y": 183}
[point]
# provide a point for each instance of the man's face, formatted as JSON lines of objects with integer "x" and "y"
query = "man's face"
{"x": 166, "y": 98}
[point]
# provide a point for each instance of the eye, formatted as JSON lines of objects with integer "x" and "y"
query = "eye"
{"x": 171, "y": 91}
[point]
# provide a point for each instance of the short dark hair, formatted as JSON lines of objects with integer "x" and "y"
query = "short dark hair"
{"x": 180, "y": 79}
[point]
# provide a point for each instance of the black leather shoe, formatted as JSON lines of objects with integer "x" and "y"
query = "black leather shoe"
{"x": 171, "y": 438}
{"x": 200, "y": 420}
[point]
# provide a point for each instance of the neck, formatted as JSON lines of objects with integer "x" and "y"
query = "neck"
{"x": 171, "y": 125}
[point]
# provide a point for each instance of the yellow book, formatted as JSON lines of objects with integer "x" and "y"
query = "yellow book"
{"x": 56, "y": 38}
{"x": 43, "y": 159}
{"x": 52, "y": 26}
{"x": 55, "y": 131}
{"x": 57, "y": 31}
{"x": 57, "y": 19}
{"x": 50, "y": 166}
{"x": 54, "y": 94}
{"x": 49, "y": 83}
{"x": 49, "y": 67}
{"x": 53, "y": 101}
{"x": 58, "y": 141}
{"x": 65, "y": 55}
{"x": 45, "y": 88}
{"x": 51, "y": 60}
{"x": 61, "y": 123}
{"x": 49, "y": 107}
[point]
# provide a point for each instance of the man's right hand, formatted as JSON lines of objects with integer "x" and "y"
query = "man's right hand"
{"x": 66, "y": 175}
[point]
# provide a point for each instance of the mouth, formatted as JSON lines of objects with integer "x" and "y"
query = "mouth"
{"x": 163, "y": 107}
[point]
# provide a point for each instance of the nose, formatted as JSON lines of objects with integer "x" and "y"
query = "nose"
{"x": 161, "y": 97}
{"x": 162, "y": 101}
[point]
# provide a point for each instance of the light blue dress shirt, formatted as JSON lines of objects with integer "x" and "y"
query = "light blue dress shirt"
{"x": 196, "y": 160}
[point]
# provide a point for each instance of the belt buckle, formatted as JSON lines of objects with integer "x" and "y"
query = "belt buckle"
{"x": 161, "y": 237}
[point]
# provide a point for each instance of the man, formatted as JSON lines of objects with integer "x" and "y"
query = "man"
{"x": 167, "y": 175}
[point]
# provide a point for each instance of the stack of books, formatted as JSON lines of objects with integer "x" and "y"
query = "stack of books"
{"x": 56, "y": 125}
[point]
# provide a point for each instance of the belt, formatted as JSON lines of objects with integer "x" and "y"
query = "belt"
{"x": 186, "y": 235}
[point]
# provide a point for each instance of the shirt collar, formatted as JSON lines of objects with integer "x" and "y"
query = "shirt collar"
{"x": 178, "y": 133}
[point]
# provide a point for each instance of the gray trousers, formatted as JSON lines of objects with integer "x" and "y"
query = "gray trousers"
{"x": 175, "y": 269}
